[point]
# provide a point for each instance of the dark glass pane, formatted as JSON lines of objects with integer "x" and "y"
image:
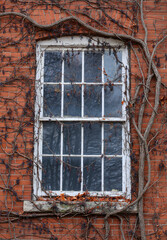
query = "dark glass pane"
{"x": 112, "y": 101}
{"x": 72, "y": 174}
{"x": 92, "y": 138}
{"x": 72, "y": 138}
{"x": 72, "y": 100}
{"x": 113, "y": 138}
{"x": 52, "y": 100}
{"x": 92, "y": 174}
{"x": 93, "y": 67}
{"x": 51, "y": 173}
{"x": 53, "y": 66}
{"x": 112, "y": 66}
{"x": 51, "y": 138}
{"x": 72, "y": 66}
{"x": 93, "y": 101}
{"x": 112, "y": 174}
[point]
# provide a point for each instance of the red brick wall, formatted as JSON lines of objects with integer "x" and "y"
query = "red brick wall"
{"x": 18, "y": 39}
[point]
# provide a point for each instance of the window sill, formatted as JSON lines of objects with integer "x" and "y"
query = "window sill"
{"x": 98, "y": 208}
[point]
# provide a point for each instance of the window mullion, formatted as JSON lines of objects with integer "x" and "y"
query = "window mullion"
{"x": 61, "y": 160}
{"x": 62, "y": 114}
{"x": 82, "y": 126}
{"x": 62, "y": 88}
{"x": 103, "y": 85}
{"x": 82, "y": 139}
{"x": 82, "y": 111}
{"x": 102, "y": 129}
{"x": 102, "y": 150}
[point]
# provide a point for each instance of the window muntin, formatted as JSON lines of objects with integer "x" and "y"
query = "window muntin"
{"x": 82, "y": 135}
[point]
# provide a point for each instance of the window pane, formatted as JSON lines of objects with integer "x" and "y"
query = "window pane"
{"x": 51, "y": 173}
{"x": 93, "y": 67}
{"x": 93, "y": 101}
{"x": 72, "y": 138}
{"x": 51, "y": 138}
{"x": 112, "y": 66}
{"x": 92, "y": 138}
{"x": 113, "y": 138}
{"x": 92, "y": 174}
{"x": 72, "y": 174}
{"x": 72, "y": 66}
{"x": 112, "y": 174}
{"x": 112, "y": 101}
{"x": 52, "y": 100}
{"x": 53, "y": 66}
{"x": 72, "y": 100}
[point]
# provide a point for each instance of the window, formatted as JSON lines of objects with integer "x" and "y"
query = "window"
{"x": 81, "y": 125}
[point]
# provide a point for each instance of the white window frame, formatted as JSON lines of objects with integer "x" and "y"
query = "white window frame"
{"x": 65, "y": 43}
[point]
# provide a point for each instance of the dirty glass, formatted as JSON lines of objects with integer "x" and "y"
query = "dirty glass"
{"x": 93, "y": 66}
{"x": 112, "y": 139}
{"x": 51, "y": 173}
{"x": 112, "y": 101}
{"x": 53, "y": 66}
{"x": 92, "y": 138}
{"x": 93, "y": 101}
{"x": 51, "y": 138}
{"x": 98, "y": 137}
{"x": 72, "y": 100}
{"x": 71, "y": 174}
{"x": 113, "y": 174}
{"x": 113, "y": 66}
{"x": 52, "y": 100}
{"x": 72, "y": 66}
{"x": 92, "y": 174}
{"x": 72, "y": 138}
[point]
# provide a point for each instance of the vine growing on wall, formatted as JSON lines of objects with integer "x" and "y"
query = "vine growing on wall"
{"x": 21, "y": 26}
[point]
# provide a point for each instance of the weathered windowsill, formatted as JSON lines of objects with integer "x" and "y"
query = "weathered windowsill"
{"x": 77, "y": 207}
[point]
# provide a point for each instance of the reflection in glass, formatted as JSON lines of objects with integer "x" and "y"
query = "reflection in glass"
{"x": 113, "y": 66}
{"x": 93, "y": 66}
{"x": 72, "y": 100}
{"x": 72, "y": 66}
{"x": 113, "y": 139}
{"x": 92, "y": 174}
{"x": 112, "y": 101}
{"x": 112, "y": 174}
{"x": 92, "y": 138}
{"x": 71, "y": 174}
{"x": 52, "y": 100}
{"x": 51, "y": 138}
{"x": 53, "y": 66}
{"x": 93, "y": 101}
{"x": 72, "y": 138}
{"x": 51, "y": 173}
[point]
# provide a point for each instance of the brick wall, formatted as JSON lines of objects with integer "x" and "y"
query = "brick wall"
{"x": 18, "y": 38}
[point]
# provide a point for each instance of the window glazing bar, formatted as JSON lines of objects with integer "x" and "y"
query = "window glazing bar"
{"x": 73, "y": 155}
{"x": 82, "y": 83}
{"x": 84, "y": 119}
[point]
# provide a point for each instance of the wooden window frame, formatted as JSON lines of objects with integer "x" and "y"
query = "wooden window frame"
{"x": 78, "y": 43}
